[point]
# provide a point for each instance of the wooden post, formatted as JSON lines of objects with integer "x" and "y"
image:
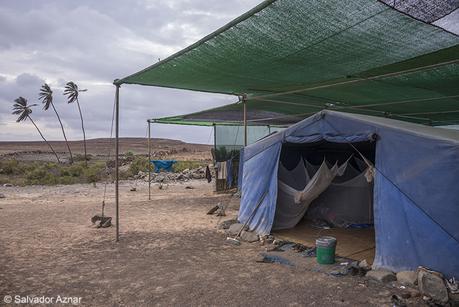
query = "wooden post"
{"x": 149, "y": 160}
{"x": 244, "y": 102}
{"x": 117, "y": 131}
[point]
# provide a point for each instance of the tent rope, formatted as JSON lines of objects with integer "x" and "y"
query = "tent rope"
{"x": 400, "y": 190}
{"x": 108, "y": 159}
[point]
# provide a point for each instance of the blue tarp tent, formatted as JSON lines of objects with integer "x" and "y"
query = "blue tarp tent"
{"x": 416, "y": 185}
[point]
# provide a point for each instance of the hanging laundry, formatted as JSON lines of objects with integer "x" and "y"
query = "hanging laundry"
{"x": 221, "y": 170}
{"x": 293, "y": 202}
{"x": 208, "y": 174}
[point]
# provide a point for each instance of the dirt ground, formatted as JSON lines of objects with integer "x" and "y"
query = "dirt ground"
{"x": 170, "y": 253}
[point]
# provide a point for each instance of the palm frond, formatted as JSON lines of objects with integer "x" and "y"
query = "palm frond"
{"x": 71, "y": 91}
{"x": 21, "y": 108}
{"x": 46, "y": 96}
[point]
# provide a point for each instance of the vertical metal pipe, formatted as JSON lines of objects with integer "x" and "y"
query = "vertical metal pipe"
{"x": 117, "y": 131}
{"x": 244, "y": 102}
{"x": 215, "y": 142}
{"x": 215, "y": 156}
{"x": 149, "y": 160}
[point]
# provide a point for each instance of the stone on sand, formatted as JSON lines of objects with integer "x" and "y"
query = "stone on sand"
{"x": 381, "y": 275}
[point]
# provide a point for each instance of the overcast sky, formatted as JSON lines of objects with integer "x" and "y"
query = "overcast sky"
{"x": 92, "y": 43}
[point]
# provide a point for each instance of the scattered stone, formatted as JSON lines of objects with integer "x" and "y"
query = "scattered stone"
{"x": 454, "y": 299}
{"x": 133, "y": 189}
{"x": 226, "y": 224}
{"x": 101, "y": 221}
{"x": 272, "y": 248}
{"x": 185, "y": 175}
{"x": 221, "y": 210}
{"x": 407, "y": 278}
{"x": 249, "y": 236}
{"x": 235, "y": 228}
{"x": 405, "y": 294}
{"x": 269, "y": 239}
{"x": 381, "y": 275}
{"x": 355, "y": 269}
{"x": 397, "y": 301}
{"x": 431, "y": 284}
{"x": 2, "y": 195}
{"x": 364, "y": 264}
{"x": 213, "y": 209}
{"x": 189, "y": 187}
{"x": 8, "y": 185}
{"x": 452, "y": 285}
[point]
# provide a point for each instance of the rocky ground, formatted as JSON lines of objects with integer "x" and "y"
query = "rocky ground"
{"x": 170, "y": 253}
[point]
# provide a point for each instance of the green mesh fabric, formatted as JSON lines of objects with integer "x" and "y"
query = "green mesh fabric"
{"x": 296, "y": 57}
{"x": 229, "y": 139}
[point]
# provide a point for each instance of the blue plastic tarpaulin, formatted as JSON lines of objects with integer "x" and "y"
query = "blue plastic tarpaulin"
{"x": 416, "y": 195}
{"x": 163, "y": 164}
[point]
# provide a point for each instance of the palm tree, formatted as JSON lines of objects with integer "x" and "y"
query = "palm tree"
{"x": 46, "y": 97}
{"x": 21, "y": 108}
{"x": 72, "y": 91}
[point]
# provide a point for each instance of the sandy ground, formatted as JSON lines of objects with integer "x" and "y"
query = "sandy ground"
{"x": 169, "y": 253}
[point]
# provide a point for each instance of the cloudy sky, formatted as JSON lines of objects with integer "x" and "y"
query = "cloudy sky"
{"x": 92, "y": 43}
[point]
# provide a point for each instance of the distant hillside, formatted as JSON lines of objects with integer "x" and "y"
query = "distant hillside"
{"x": 103, "y": 145}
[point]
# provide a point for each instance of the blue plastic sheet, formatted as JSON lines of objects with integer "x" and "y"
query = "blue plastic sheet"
{"x": 416, "y": 194}
{"x": 166, "y": 165}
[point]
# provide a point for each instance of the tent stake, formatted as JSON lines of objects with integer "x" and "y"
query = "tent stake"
{"x": 117, "y": 130}
{"x": 149, "y": 159}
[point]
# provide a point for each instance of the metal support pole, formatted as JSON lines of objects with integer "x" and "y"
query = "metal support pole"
{"x": 215, "y": 156}
{"x": 149, "y": 160}
{"x": 215, "y": 142}
{"x": 117, "y": 130}
{"x": 244, "y": 102}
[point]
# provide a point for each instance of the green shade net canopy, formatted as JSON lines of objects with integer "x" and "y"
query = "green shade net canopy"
{"x": 293, "y": 58}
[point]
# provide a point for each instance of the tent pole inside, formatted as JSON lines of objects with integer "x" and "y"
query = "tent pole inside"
{"x": 244, "y": 101}
{"x": 117, "y": 129}
{"x": 149, "y": 159}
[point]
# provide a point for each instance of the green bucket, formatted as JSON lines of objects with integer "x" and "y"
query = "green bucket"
{"x": 325, "y": 250}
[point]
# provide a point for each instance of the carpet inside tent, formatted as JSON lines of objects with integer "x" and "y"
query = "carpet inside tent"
{"x": 358, "y": 244}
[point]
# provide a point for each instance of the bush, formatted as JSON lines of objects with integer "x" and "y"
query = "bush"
{"x": 139, "y": 164}
{"x": 80, "y": 157}
{"x": 183, "y": 165}
{"x": 10, "y": 167}
{"x": 93, "y": 173}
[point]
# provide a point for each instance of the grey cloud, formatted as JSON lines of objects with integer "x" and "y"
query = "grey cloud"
{"x": 95, "y": 42}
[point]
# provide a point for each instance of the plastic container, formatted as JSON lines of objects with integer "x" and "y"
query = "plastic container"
{"x": 325, "y": 250}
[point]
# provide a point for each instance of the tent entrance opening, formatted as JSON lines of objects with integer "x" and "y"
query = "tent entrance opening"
{"x": 325, "y": 188}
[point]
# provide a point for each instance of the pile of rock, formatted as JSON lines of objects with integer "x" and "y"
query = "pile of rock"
{"x": 166, "y": 177}
{"x": 430, "y": 284}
